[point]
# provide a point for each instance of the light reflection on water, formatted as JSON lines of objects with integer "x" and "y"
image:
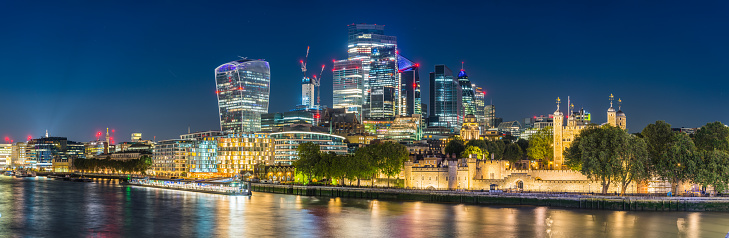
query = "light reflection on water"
{"x": 40, "y": 207}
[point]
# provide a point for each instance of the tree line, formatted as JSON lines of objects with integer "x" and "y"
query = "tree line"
{"x": 140, "y": 165}
{"x": 503, "y": 149}
{"x": 610, "y": 155}
{"x": 366, "y": 163}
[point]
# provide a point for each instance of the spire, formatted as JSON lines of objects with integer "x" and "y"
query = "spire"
{"x": 461, "y": 65}
{"x": 558, "y": 101}
{"x": 611, "y": 100}
{"x": 47, "y": 133}
{"x": 620, "y": 103}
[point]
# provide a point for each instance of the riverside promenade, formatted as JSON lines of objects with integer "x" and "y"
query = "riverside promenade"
{"x": 599, "y": 202}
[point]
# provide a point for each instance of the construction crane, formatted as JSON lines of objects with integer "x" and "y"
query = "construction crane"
{"x": 303, "y": 62}
{"x": 317, "y": 83}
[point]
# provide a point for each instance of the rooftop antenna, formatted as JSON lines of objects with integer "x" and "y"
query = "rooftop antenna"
{"x": 461, "y": 65}
{"x": 558, "y": 100}
{"x": 46, "y": 133}
{"x": 188, "y": 129}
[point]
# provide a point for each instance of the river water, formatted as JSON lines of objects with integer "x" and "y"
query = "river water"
{"x": 41, "y": 207}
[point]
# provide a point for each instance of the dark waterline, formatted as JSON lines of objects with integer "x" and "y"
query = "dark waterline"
{"x": 40, "y": 207}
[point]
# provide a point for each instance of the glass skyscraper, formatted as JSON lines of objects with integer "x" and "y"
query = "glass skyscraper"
{"x": 468, "y": 96}
{"x": 348, "y": 85}
{"x": 410, "y": 101}
{"x": 480, "y": 97}
{"x": 383, "y": 84}
{"x": 368, "y": 46}
{"x": 243, "y": 88}
{"x": 445, "y": 99}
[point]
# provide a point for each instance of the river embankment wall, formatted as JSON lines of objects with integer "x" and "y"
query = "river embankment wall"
{"x": 492, "y": 198}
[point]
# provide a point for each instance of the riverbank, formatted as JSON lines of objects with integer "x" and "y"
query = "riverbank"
{"x": 487, "y": 198}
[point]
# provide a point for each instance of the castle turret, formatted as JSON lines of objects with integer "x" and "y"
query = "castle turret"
{"x": 611, "y": 114}
{"x": 620, "y": 118}
{"x": 452, "y": 174}
{"x": 557, "y": 132}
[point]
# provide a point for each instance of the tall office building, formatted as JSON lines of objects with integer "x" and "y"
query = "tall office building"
{"x": 368, "y": 45}
{"x": 445, "y": 99}
{"x": 467, "y": 94}
{"x": 480, "y": 104}
{"x": 410, "y": 101}
{"x": 307, "y": 92}
{"x": 384, "y": 86}
{"x": 243, "y": 88}
{"x": 348, "y": 85}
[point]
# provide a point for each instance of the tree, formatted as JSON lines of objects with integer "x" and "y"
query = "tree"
{"x": 496, "y": 149}
{"x": 712, "y": 136}
{"x": 394, "y": 157}
{"x": 541, "y": 146}
{"x": 678, "y": 162}
{"x": 633, "y": 160}
{"x": 523, "y": 144}
{"x": 473, "y": 150}
{"x": 365, "y": 163}
{"x": 714, "y": 169}
{"x": 657, "y": 137}
{"x": 513, "y": 153}
{"x": 308, "y": 158}
{"x": 455, "y": 146}
{"x": 595, "y": 152}
{"x": 478, "y": 143}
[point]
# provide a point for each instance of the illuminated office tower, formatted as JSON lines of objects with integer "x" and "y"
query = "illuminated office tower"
{"x": 243, "y": 88}
{"x": 410, "y": 102}
{"x": 348, "y": 85}
{"x": 445, "y": 99}
{"x": 467, "y": 94}
{"x": 383, "y": 84}
{"x": 364, "y": 41}
{"x": 480, "y": 103}
{"x": 307, "y": 92}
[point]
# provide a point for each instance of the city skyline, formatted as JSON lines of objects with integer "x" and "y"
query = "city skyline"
{"x": 108, "y": 75}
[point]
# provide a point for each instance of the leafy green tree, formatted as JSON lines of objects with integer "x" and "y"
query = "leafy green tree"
{"x": 512, "y": 153}
{"x": 496, "y": 148}
{"x": 366, "y": 163}
{"x": 596, "y": 153}
{"x": 308, "y": 158}
{"x": 478, "y": 143}
{"x": 473, "y": 150}
{"x": 712, "y": 136}
{"x": 714, "y": 169}
{"x": 540, "y": 146}
{"x": 678, "y": 162}
{"x": 657, "y": 137}
{"x": 633, "y": 158}
{"x": 394, "y": 156}
{"x": 523, "y": 144}
{"x": 455, "y": 146}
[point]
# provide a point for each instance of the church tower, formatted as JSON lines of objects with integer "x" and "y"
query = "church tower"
{"x": 611, "y": 117}
{"x": 557, "y": 132}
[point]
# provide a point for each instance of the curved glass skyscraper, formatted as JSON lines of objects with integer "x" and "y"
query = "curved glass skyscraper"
{"x": 243, "y": 88}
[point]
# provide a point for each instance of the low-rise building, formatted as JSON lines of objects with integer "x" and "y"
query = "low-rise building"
{"x": 287, "y": 143}
{"x": 238, "y": 154}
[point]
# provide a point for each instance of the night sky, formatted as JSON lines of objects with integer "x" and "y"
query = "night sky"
{"x": 78, "y": 67}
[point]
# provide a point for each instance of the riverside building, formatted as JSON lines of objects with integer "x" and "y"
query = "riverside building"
{"x": 238, "y": 153}
{"x": 287, "y": 143}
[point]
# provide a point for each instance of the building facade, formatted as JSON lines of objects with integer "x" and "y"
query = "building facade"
{"x": 170, "y": 158}
{"x": 348, "y": 85}
{"x": 470, "y": 129}
{"x": 243, "y": 88}
{"x": 239, "y": 153}
{"x": 445, "y": 99}
{"x": 410, "y": 100}
{"x": 287, "y": 144}
{"x": 6, "y": 151}
{"x": 468, "y": 95}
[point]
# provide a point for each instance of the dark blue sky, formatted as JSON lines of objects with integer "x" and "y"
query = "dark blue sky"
{"x": 78, "y": 67}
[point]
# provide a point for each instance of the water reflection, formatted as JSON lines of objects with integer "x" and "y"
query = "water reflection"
{"x": 33, "y": 207}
